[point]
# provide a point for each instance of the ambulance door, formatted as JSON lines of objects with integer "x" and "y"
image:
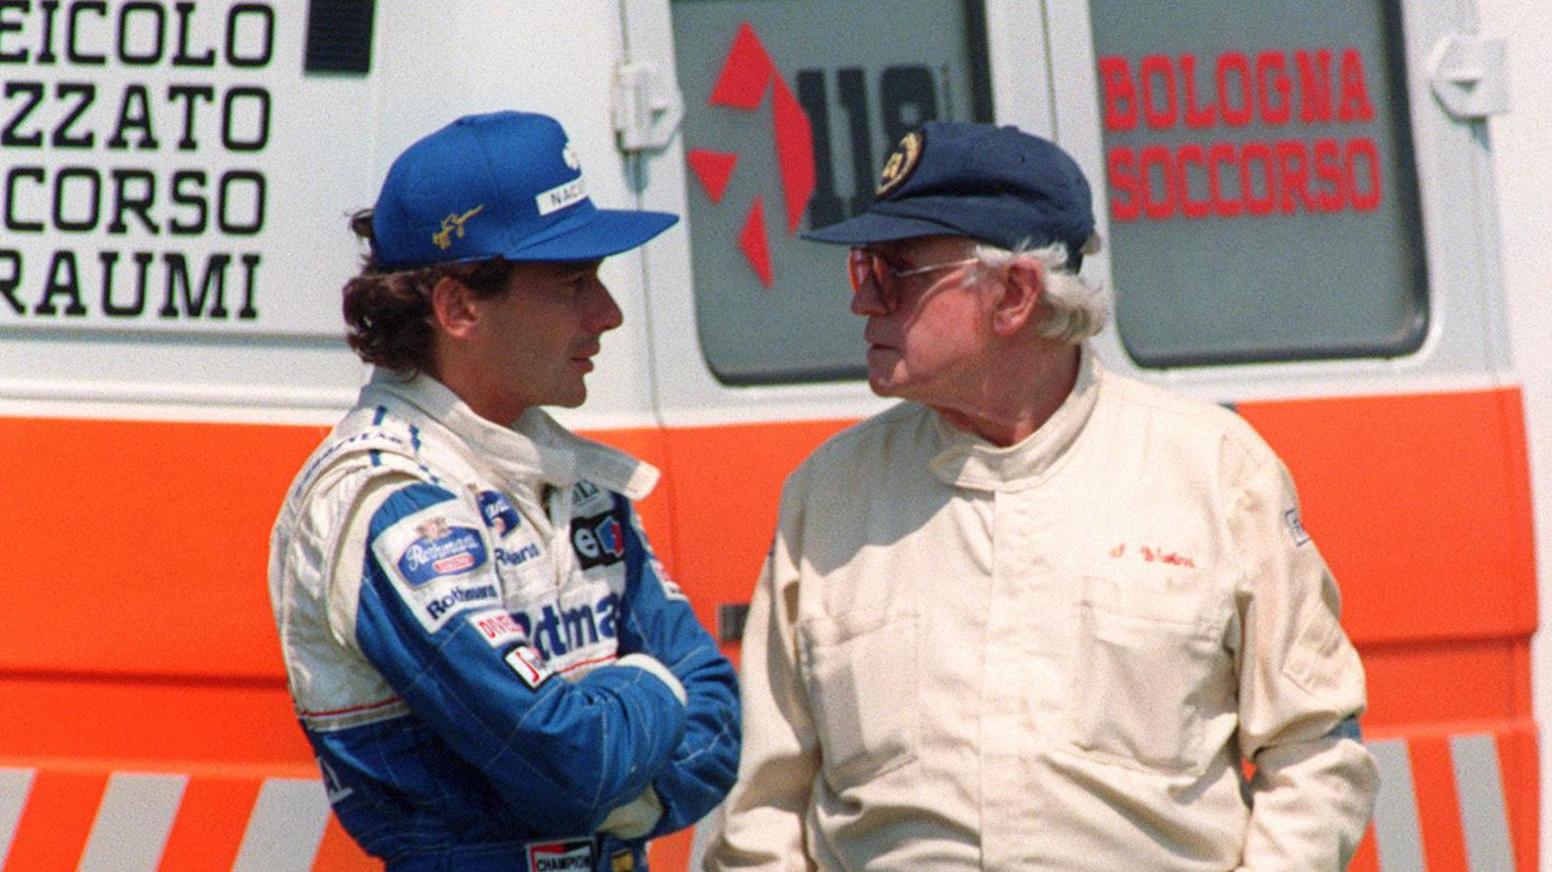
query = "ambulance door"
{"x": 1297, "y": 200}
{"x": 788, "y": 109}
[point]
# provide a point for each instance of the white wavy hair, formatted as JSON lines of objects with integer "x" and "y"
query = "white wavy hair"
{"x": 1074, "y": 308}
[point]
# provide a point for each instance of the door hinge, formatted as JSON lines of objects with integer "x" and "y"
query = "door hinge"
{"x": 647, "y": 106}
{"x": 1469, "y": 76}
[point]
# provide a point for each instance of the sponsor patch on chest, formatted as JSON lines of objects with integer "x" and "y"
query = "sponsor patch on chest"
{"x": 497, "y": 627}
{"x": 588, "y": 498}
{"x": 599, "y": 540}
{"x": 570, "y": 855}
{"x": 500, "y": 515}
{"x": 529, "y": 665}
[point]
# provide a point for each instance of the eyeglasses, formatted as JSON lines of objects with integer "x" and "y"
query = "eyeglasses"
{"x": 864, "y": 263}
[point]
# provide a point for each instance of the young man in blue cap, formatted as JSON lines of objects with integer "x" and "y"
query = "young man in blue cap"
{"x": 492, "y": 667}
{"x": 1038, "y": 617}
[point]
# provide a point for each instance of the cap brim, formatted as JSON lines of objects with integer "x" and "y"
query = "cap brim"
{"x": 594, "y": 235}
{"x": 870, "y": 227}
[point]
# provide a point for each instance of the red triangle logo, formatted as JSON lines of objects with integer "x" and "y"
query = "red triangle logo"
{"x": 755, "y": 245}
{"x": 713, "y": 168}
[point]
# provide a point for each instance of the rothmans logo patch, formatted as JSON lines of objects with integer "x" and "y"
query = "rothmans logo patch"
{"x": 901, "y": 163}
{"x": 441, "y": 551}
{"x": 436, "y": 559}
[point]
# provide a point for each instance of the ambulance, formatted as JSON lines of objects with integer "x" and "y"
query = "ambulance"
{"x": 1329, "y": 215}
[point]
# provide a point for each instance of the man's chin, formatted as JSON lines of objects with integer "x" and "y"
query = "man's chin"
{"x": 883, "y": 386}
{"x": 570, "y": 398}
{"x": 884, "y": 377}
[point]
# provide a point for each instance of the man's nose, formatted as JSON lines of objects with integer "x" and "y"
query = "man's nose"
{"x": 604, "y": 313}
{"x": 868, "y": 300}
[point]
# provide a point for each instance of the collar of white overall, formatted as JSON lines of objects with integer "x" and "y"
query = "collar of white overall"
{"x": 967, "y": 460}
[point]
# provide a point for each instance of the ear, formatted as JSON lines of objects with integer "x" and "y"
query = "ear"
{"x": 1018, "y": 305}
{"x": 454, "y": 310}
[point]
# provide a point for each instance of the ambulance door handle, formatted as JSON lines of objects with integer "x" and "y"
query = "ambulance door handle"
{"x": 1469, "y": 77}
{"x": 647, "y": 107}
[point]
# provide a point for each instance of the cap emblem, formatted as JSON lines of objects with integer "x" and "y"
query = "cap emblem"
{"x": 901, "y": 163}
{"x": 443, "y": 238}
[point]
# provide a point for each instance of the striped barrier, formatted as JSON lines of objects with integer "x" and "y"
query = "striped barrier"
{"x": 1442, "y": 807}
{"x": 145, "y": 822}
{"x": 1444, "y": 804}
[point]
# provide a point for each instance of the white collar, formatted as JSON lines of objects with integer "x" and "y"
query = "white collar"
{"x": 967, "y": 460}
{"x": 534, "y": 447}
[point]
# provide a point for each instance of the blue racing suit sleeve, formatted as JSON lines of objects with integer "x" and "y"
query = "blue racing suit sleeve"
{"x": 562, "y": 753}
{"x": 657, "y": 619}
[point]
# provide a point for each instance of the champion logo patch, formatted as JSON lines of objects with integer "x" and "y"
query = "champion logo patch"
{"x": 571, "y": 855}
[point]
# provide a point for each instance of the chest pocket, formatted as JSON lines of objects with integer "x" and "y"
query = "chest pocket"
{"x": 861, "y": 681}
{"x": 1150, "y": 661}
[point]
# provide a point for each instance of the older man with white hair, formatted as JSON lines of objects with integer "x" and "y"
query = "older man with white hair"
{"x": 1041, "y": 616}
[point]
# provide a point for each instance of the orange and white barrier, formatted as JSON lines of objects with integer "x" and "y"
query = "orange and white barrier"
{"x": 1443, "y": 807}
{"x": 144, "y": 822}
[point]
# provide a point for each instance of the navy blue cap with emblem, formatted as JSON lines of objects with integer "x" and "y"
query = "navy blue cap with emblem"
{"x": 501, "y": 184}
{"x": 994, "y": 184}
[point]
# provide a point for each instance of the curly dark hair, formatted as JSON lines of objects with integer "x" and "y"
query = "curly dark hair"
{"x": 388, "y": 311}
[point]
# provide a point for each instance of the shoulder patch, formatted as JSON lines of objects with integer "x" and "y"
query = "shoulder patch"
{"x": 439, "y": 551}
{"x": 1296, "y": 527}
{"x": 434, "y": 559}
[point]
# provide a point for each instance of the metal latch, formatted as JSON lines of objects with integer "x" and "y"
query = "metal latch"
{"x": 647, "y": 106}
{"x": 1469, "y": 77}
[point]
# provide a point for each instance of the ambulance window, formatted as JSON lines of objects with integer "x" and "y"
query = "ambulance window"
{"x": 1262, "y": 197}
{"x": 790, "y": 108}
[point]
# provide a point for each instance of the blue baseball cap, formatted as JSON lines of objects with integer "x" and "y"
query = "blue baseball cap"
{"x": 503, "y": 184}
{"x": 994, "y": 184}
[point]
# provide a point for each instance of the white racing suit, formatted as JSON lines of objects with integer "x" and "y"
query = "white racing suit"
{"x": 1051, "y": 656}
{"x": 490, "y": 663}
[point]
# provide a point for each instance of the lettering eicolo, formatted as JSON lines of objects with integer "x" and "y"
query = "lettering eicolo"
{"x": 126, "y": 131}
